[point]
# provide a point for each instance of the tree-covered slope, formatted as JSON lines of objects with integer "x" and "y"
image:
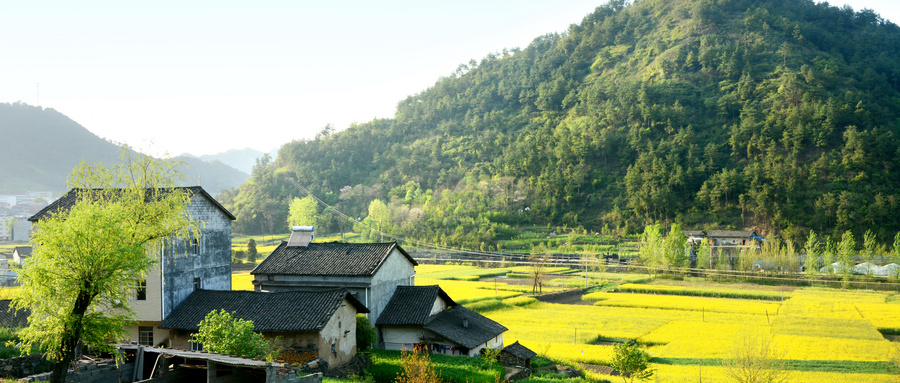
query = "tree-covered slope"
{"x": 780, "y": 115}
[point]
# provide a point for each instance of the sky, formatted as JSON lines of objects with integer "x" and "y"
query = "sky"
{"x": 202, "y": 77}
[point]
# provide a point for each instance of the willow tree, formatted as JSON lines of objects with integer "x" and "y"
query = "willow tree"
{"x": 89, "y": 256}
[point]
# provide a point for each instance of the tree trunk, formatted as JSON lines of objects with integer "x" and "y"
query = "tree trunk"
{"x": 72, "y": 337}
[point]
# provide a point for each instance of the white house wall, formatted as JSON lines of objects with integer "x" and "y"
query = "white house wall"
{"x": 395, "y": 271}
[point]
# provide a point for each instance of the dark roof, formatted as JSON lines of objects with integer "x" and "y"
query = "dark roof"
{"x": 22, "y": 250}
{"x": 450, "y": 325}
{"x": 68, "y": 200}
{"x": 329, "y": 258}
{"x": 12, "y": 319}
{"x": 693, "y": 233}
{"x": 294, "y": 311}
{"x": 520, "y": 351}
{"x": 411, "y": 305}
{"x": 731, "y": 233}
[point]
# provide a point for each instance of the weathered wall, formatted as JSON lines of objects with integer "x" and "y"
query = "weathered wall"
{"x": 395, "y": 271}
{"x": 103, "y": 372}
{"x": 339, "y": 332}
{"x": 22, "y": 366}
{"x": 212, "y": 265}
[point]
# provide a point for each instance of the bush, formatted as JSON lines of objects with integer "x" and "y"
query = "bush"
{"x": 366, "y": 336}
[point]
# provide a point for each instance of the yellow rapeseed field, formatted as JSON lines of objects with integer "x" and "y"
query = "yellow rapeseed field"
{"x": 823, "y": 335}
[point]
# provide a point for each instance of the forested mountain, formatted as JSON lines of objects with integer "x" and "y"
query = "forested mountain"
{"x": 782, "y": 115}
{"x": 41, "y": 147}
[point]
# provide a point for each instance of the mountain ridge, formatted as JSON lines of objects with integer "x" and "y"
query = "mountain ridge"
{"x": 42, "y": 146}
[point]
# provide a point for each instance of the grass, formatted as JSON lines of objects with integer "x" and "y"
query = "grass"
{"x": 452, "y": 369}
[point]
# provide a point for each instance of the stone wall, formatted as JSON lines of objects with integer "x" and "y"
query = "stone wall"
{"x": 104, "y": 371}
{"x": 14, "y": 368}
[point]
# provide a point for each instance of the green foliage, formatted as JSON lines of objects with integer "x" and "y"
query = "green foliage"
{"x": 221, "y": 333}
{"x": 251, "y": 251}
{"x": 774, "y": 114}
{"x": 451, "y": 369}
{"x": 303, "y": 212}
{"x": 90, "y": 256}
{"x": 632, "y": 362}
{"x": 366, "y": 336}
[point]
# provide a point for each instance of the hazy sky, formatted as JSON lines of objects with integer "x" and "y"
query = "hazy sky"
{"x": 203, "y": 78}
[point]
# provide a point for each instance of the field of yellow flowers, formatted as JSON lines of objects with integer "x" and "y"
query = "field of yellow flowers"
{"x": 822, "y": 335}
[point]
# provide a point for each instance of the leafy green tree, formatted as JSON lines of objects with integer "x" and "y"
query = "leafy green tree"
{"x": 870, "y": 243}
{"x": 812, "y": 254}
{"x": 651, "y": 248}
{"x": 846, "y": 251}
{"x": 366, "y": 336}
{"x": 379, "y": 219}
{"x": 755, "y": 360}
{"x": 10, "y": 224}
{"x": 87, "y": 258}
{"x": 222, "y": 333}
{"x": 675, "y": 248}
{"x": 251, "y": 251}
{"x": 304, "y": 212}
{"x": 895, "y": 255}
{"x": 704, "y": 255}
{"x": 632, "y": 362}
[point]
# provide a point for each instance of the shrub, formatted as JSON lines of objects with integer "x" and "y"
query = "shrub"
{"x": 366, "y": 336}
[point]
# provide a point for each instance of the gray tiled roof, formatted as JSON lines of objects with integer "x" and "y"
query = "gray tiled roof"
{"x": 518, "y": 350}
{"x": 411, "y": 305}
{"x": 12, "y": 319}
{"x": 68, "y": 200}
{"x": 450, "y": 325}
{"x": 295, "y": 311}
{"x": 23, "y": 251}
{"x": 329, "y": 258}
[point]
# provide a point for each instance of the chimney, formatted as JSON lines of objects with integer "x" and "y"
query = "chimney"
{"x": 465, "y": 322}
{"x": 301, "y": 236}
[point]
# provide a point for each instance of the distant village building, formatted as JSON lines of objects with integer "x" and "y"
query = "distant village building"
{"x": 427, "y": 316}
{"x": 185, "y": 266}
{"x": 369, "y": 271}
{"x": 733, "y": 238}
{"x": 20, "y": 254}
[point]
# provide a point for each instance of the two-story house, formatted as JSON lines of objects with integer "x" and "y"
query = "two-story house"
{"x": 184, "y": 266}
{"x": 369, "y": 271}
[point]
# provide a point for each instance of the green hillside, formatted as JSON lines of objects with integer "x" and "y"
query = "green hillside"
{"x": 781, "y": 115}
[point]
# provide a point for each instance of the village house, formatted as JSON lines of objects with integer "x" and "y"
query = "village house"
{"x": 184, "y": 266}
{"x": 369, "y": 271}
{"x": 21, "y": 253}
{"x": 322, "y": 324}
{"x": 426, "y": 316}
{"x": 733, "y": 238}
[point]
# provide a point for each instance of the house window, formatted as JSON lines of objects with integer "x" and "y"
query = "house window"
{"x": 195, "y": 246}
{"x": 195, "y": 345}
{"x": 145, "y": 335}
{"x": 197, "y": 283}
{"x": 140, "y": 292}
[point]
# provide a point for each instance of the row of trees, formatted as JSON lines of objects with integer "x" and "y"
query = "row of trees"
{"x": 672, "y": 252}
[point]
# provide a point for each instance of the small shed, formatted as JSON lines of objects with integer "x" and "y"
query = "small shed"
{"x": 516, "y": 355}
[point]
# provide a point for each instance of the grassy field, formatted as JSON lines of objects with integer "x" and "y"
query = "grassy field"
{"x": 823, "y": 335}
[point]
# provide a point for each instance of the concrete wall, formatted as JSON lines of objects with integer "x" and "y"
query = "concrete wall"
{"x": 151, "y": 308}
{"x": 212, "y": 265}
{"x": 395, "y": 271}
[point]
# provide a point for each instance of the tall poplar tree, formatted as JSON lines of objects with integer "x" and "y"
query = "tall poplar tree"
{"x": 88, "y": 257}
